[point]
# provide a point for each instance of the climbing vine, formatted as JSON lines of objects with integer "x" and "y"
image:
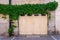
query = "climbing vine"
{"x": 15, "y": 10}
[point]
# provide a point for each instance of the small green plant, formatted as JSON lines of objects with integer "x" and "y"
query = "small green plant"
{"x": 49, "y": 16}
{"x": 51, "y": 6}
{"x": 11, "y": 30}
{"x": 4, "y": 16}
{"x": 43, "y": 14}
{"x": 29, "y": 14}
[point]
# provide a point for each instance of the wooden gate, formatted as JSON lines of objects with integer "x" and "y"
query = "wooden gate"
{"x": 29, "y": 25}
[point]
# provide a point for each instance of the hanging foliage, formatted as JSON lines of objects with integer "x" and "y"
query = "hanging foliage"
{"x": 15, "y": 10}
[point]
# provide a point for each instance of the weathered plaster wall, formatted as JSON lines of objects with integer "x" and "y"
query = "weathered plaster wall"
{"x": 4, "y": 25}
{"x": 25, "y": 1}
{"x": 58, "y": 17}
{"x": 51, "y": 27}
{"x": 19, "y": 2}
{"x": 4, "y": 1}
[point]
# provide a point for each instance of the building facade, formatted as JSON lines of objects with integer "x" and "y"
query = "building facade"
{"x": 54, "y": 22}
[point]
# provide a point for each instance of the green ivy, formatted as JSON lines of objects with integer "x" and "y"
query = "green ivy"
{"x": 15, "y": 10}
{"x": 52, "y": 6}
{"x": 11, "y": 30}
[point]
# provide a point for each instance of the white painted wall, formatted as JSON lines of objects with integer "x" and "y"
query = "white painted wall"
{"x": 58, "y": 17}
{"x": 25, "y": 1}
{"x": 18, "y": 2}
{"x": 4, "y": 25}
{"x": 4, "y": 1}
{"x": 52, "y": 22}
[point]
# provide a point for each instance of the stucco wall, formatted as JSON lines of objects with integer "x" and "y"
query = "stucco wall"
{"x": 52, "y": 26}
{"x": 30, "y": 1}
{"x": 4, "y": 25}
{"x": 4, "y": 1}
{"x": 24, "y": 1}
{"x": 58, "y": 17}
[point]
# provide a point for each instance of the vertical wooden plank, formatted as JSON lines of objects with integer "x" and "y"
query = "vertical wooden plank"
{"x": 43, "y": 25}
{"x": 36, "y": 25}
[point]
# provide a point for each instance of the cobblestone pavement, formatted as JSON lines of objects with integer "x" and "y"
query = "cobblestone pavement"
{"x": 54, "y": 37}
